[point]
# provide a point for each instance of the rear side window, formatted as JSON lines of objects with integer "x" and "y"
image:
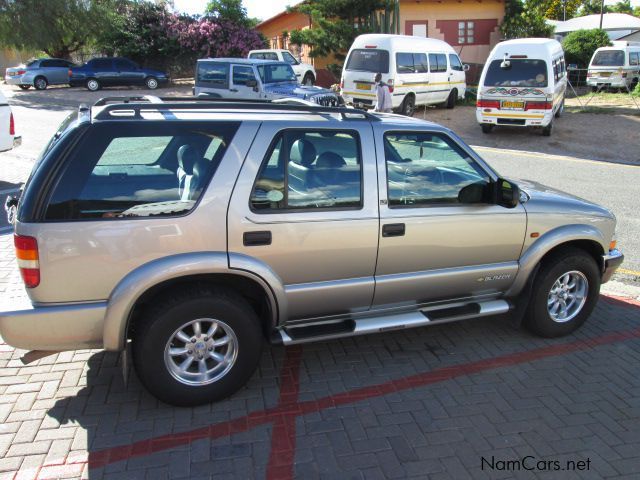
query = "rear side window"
{"x": 213, "y": 74}
{"x": 310, "y": 170}
{"x": 127, "y": 170}
{"x": 517, "y": 73}
{"x": 438, "y": 62}
{"x": 101, "y": 64}
{"x": 634, "y": 58}
{"x": 455, "y": 62}
{"x": 264, "y": 56}
{"x": 368, "y": 60}
{"x": 411, "y": 63}
{"x": 242, "y": 74}
{"x": 609, "y": 58}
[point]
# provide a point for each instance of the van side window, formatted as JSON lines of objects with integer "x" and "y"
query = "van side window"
{"x": 310, "y": 170}
{"x": 455, "y": 62}
{"x": 404, "y": 63}
{"x": 437, "y": 62}
{"x": 420, "y": 63}
{"x": 634, "y": 58}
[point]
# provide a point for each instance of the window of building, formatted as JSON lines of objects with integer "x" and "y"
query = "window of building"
{"x": 466, "y": 32}
{"x": 310, "y": 170}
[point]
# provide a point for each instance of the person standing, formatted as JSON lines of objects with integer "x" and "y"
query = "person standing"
{"x": 383, "y": 95}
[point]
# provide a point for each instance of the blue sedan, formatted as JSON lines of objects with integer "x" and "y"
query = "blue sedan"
{"x": 104, "y": 72}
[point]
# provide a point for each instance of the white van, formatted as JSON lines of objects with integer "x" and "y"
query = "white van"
{"x": 523, "y": 83}
{"x": 617, "y": 66}
{"x": 8, "y": 137}
{"x": 419, "y": 71}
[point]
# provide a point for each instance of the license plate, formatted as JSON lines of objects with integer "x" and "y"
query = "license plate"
{"x": 513, "y": 105}
{"x": 13, "y": 74}
{"x": 363, "y": 86}
{"x": 605, "y": 74}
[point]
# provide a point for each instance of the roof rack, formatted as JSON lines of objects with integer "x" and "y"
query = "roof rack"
{"x": 152, "y": 103}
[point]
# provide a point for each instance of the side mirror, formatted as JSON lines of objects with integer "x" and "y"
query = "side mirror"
{"x": 251, "y": 83}
{"x": 507, "y": 193}
{"x": 474, "y": 193}
{"x": 466, "y": 67}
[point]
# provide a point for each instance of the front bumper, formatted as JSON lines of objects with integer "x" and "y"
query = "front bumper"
{"x": 54, "y": 328}
{"x": 611, "y": 262}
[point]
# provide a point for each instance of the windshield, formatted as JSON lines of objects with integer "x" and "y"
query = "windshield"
{"x": 608, "y": 58}
{"x": 277, "y": 72}
{"x": 374, "y": 61}
{"x": 519, "y": 73}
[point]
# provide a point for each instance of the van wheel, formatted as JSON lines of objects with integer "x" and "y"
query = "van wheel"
{"x": 40, "y": 83}
{"x": 308, "y": 79}
{"x": 486, "y": 127}
{"x": 197, "y": 346}
{"x": 408, "y": 106}
{"x": 451, "y": 100}
{"x": 560, "y": 109}
{"x": 546, "y": 131}
{"x": 564, "y": 294}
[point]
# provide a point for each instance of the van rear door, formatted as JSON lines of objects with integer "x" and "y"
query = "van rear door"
{"x": 360, "y": 70}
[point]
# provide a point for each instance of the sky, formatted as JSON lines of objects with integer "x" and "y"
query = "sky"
{"x": 261, "y": 9}
{"x": 264, "y": 9}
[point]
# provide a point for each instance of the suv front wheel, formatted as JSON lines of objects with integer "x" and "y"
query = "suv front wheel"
{"x": 564, "y": 294}
{"x": 197, "y": 346}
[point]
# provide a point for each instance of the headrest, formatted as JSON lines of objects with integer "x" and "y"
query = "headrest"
{"x": 187, "y": 158}
{"x": 330, "y": 160}
{"x": 303, "y": 152}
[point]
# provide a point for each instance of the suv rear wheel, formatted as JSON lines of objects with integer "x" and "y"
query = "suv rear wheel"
{"x": 93, "y": 85}
{"x": 565, "y": 293}
{"x": 197, "y": 346}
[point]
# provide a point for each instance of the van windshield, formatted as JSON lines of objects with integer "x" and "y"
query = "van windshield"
{"x": 608, "y": 58}
{"x": 368, "y": 60}
{"x": 519, "y": 73}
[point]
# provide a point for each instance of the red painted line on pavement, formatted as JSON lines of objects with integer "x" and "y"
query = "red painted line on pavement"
{"x": 294, "y": 409}
{"x": 283, "y": 435}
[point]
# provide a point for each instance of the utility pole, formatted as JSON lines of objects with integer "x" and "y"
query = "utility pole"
{"x": 601, "y": 13}
{"x": 564, "y": 10}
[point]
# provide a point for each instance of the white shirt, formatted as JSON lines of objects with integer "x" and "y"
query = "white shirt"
{"x": 383, "y": 96}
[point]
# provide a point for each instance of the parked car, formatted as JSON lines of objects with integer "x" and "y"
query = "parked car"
{"x": 305, "y": 73}
{"x": 255, "y": 79}
{"x": 107, "y": 72}
{"x": 39, "y": 73}
{"x": 8, "y": 137}
{"x": 190, "y": 230}
{"x": 523, "y": 84}
{"x": 419, "y": 71}
{"x": 617, "y": 66}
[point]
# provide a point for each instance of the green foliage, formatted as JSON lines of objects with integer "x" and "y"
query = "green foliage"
{"x": 57, "y": 27}
{"x": 525, "y": 20}
{"x": 336, "y": 23}
{"x": 621, "y": 7}
{"x": 579, "y": 45}
{"x": 592, "y": 7}
{"x": 555, "y": 9}
{"x": 231, "y": 10}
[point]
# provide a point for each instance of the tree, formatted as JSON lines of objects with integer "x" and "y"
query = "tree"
{"x": 56, "y": 27}
{"x": 579, "y": 45}
{"x": 526, "y": 19}
{"x": 232, "y": 11}
{"x": 623, "y": 6}
{"x": 556, "y": 9}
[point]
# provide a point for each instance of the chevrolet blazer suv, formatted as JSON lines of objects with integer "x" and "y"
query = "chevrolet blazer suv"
{"x": 187, "y": 231}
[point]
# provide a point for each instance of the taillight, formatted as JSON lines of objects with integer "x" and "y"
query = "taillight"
{"x": 21, "y": 72}
{"x": 70, "y": 72}
{"x": 390, "y": 83}
{"x": 488, "y": 104}
{"x": 538, "y": 106}
{"x": 12, "y": 125}
{"x": 27, "y": 254}
{"x": 589, "y": 74}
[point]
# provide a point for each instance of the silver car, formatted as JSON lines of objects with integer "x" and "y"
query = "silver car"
{"x": 39, "y": 73}
{"x": 190, "y": 231}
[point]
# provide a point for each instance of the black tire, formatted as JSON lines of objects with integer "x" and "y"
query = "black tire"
{"x": 93, "y": 84}
{"x": 486, "y": 127}
{"x": 538, "y": 318}
{"x": 408, "y": 106}
{"x": 160, "y": 324}
{"x": 308, "y": 79}
{"x": 151, "y": 83}
{"x": 451, "y": 99}
{"x": 558, "y": 113}
{"x": 40, "y": 83}
{"x": 24, "y": 87}
{"x": 546, "y": 131}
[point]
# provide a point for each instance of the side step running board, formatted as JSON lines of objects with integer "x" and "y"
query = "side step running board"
{"x": 399, "y": 321}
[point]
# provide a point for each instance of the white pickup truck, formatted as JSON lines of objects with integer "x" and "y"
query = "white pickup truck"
{"x": 8, "y": 137}
{"x": 305, "y": 73}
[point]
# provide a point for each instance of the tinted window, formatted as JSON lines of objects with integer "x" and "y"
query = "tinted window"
{"x": 101, "y": 64}
{"x": 131, "y": 170}
{"x": 608, "y": 58}
{"x": 242, "y": 74}
{"x": 518, "y": 73}
{"x": 277, "y": 72}
{"x": 46, "y": 63}
{"x": 420, "y": 63}
{"x": 634, "y": 58}
{"x": 124, "y": 65}
{"x": 404, "y": 63}
{"x": 212, "y": 73}
{"x": 437, "y": 62}
{"x": 310, "y": 170}
{"x": 454, "y": 60}
{"x": 264, "y": 56}
{"x": 427, "y": 168}
{"x": 287, "y": 57}
{"x": 369, "y": 60}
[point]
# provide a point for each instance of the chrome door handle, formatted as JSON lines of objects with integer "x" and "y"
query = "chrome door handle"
{"x": 233, "y": 89}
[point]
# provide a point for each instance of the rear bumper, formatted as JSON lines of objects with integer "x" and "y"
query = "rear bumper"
{"x": 611, "y": 263}
{"x": 16, "y": 80}
{"x": 517, "y": 119}
{"x": 17, "y": 141}
{"x": 609, "y": 82}
{"x": 56, "y": 328}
